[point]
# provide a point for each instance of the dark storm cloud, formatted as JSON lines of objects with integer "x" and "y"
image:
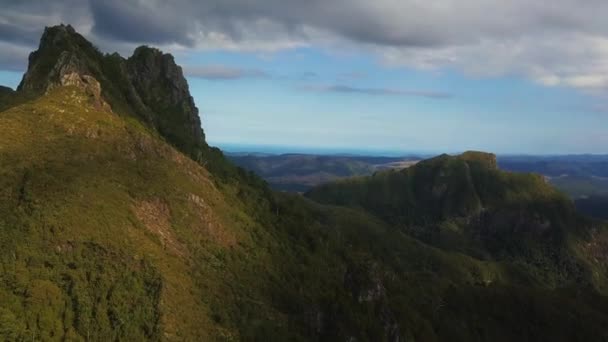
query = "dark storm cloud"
{"x": 18, "y": 34}
{"x": 380, "y": 22}
{"x": 187, "y": 21}
{"x": 137, "y": 22}
{"x": 13, "y": 57}
{"x": 22, "y": 23}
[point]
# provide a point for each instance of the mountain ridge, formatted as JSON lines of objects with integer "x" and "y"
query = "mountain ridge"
{"x": 111, "y": 229}
{"x": 126, "y": 84}
{"x": 466, "y": 203}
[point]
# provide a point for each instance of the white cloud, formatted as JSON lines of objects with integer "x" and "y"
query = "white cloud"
{"x": 554, "y": 43}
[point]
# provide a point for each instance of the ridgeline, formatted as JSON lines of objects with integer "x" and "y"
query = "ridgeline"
{"x": 119, "y": 222}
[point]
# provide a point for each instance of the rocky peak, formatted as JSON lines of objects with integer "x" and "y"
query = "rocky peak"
{"x": 62, "y": 51}
{"x": 89, "y": 85}
{"x": 161, "y": 85}
{"x": 150, "y": 65}
{"x": 148, "y": 85}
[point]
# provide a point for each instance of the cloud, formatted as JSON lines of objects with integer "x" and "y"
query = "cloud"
{"x": 556, "y": 43}
{"x": 352, "y": 76}
{"x": 344, "y": 89}
{"x": 13, "y": 57}
{"x": 140, "y": 21}
{"x": 222, "y": 72}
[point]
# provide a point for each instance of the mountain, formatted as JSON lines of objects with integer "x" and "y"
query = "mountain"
{"x": 465, "y": 203}
{"x": 118, "y": 222}
{"x": 149, "y": 84}
{"x": 577, "y": 175}
{"x": 302, "y": 172}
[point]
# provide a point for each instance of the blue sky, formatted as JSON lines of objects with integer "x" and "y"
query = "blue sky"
{"x": 356, "y": 75}
{"x": 290, "y": 102}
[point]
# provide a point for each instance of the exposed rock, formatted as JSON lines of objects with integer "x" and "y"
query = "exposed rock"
{"x": 364, "y": 282}
{"x": 87, "y": 83}
{"x": 163, "y": 89}
{"x": 148, "y": 85}
{"x": 61, "y": 51}
{"x": 155, "y": 215}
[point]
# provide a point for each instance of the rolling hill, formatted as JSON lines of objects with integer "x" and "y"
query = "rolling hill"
{"x": 301, "y": 172}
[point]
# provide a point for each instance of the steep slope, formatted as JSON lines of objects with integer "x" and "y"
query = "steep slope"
{"x": 101, "y": 225}
{"x": 107, "y": 232}
{"x": 111, "y": 230}
{"x": 465, "y": 203}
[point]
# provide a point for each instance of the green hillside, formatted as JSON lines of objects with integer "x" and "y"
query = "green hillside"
{"x": 112, "y": 227}
{"x": 465, "y": 203}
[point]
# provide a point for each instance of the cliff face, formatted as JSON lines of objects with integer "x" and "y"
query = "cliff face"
{"x": 160, "y": 85}
{"x": 61, "y": 51}
{"x": 148, "y": 85}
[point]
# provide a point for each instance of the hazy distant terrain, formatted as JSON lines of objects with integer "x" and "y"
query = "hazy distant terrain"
{"x": 301, "y": 172}
{"x": 577, "y": 175}
{"x": 583, "y": 177}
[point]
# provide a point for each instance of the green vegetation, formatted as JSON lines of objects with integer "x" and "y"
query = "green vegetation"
{"x": 109, "y": 233}
{"x": 147, "y": 86}
{"x": 5, "y": 97}
{"x": 110, "y": 229}
{"x": 464, "y": 203}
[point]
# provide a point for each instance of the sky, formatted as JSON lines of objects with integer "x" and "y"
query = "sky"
{"x": 511, "y": 77}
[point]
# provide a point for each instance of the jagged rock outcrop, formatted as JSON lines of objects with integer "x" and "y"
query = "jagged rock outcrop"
{"x": 88, "y": 84}
{"x": 148, "y": 85}
{"x": 61, "y": 51}
{"x": 162, "y": 89}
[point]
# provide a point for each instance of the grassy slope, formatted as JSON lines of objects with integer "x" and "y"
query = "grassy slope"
{"x": 97, "y": 213}
{"x": 109, "y": 233}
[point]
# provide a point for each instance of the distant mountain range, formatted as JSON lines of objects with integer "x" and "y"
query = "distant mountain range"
{"x": 118, "y": 222}
{"x": 577, "y": 175}
{"x": 301, "y": 172}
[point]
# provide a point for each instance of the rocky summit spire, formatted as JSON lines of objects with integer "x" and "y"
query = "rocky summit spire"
{"x": 163, "y": 89}
{"x": 149, "y": 85}
{"x": 62, "y": 51}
